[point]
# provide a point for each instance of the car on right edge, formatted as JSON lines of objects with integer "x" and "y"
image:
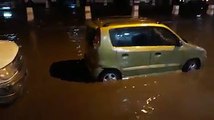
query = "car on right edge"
{"x": 118, "y": 48}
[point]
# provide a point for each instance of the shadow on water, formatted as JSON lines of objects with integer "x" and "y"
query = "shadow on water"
{"x": 71, "y": 70}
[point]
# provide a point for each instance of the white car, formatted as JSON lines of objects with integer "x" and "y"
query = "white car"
{"x": 12, "y": 71}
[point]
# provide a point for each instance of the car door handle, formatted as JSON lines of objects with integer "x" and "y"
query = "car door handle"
{"x": 158, "y": 53}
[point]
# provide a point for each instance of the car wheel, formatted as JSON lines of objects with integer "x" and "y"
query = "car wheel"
{"x": 191, "y": 65}
{"x": 109, "y": 75}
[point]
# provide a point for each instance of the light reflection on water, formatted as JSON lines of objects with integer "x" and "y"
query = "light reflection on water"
{"x": 142, "y": 98}
{"x": 76, "y": 35}
{"x": 142, "y": 104}
{"x": 145, "y": 108}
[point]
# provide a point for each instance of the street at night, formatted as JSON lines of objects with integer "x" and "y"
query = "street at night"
{"x": 59, "y": 86}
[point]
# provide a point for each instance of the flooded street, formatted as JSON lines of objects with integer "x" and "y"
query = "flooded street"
{"x": 59, "y": 86}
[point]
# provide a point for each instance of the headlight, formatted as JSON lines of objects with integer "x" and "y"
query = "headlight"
{"x": 7, "y": 72}
{"x": 11, "y": 69}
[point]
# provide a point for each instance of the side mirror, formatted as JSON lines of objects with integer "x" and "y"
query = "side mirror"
{"x": 179, "y": 43}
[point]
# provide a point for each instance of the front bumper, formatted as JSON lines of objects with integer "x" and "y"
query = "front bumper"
{"x": 10, "y": 90}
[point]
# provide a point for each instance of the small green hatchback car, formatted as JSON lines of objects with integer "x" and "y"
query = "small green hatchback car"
{"x": 127, "y": 47}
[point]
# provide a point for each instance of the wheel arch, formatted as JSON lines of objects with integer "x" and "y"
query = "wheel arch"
{"x": 112, "y": 69}
{"x": 185, "y": 67}
{"x": 196, "y": 59}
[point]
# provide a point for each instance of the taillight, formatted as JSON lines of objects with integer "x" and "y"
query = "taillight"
{"x": 96, "y": 41}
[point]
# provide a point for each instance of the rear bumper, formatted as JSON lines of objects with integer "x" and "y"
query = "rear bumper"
{"x": 11, "y": 90}
{"x": 93, "y": 68}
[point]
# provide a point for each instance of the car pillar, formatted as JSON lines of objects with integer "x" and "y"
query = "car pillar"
{"x": 88, "y": 12}
{"x": 135, "y": 9}
{"x": 153, "y": 2}
{"x": 29, "y": 10}
{"x": 105, "y": 3}
{"x": 131, "y": 2}
{"x": 210, "y": 10}
{"x": 175, "y": 10}
{"x": 47, "y": 4}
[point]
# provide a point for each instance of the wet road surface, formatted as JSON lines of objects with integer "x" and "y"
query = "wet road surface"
{"x": 59, "y": 86}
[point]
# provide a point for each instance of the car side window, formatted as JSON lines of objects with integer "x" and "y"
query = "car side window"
{"x": 133, "y": 36}
{"x": 164, "y": 37}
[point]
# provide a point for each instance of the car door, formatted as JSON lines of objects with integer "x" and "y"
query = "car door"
{"x": 167, "y": 54}
{"x": 133, "y": 56}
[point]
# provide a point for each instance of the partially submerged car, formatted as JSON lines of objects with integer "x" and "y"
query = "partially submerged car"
{"x": 12, "y": 71}
{"x": 127, "y": 47}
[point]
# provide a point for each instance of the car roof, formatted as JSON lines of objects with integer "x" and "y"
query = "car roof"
{"x": 113, "y": 21}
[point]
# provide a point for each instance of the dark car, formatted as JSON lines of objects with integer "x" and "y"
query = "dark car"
{"x": 67, "y": 6}
{"x": 7, "y": 4}
{"x": 193, "y": 7}
{"x": 12, "y": 9}
{"x": 6, "y": 8}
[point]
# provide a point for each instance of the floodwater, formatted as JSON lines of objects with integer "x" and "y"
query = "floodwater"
{"x": 59, "y": 86}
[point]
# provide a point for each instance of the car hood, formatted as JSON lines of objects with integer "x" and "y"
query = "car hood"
{"x": 197, "y": 47}
{"x": 8, "y": 51}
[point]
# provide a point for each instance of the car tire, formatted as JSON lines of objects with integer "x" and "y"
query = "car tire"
{"x": 191, "y": 65}
{"x": 109, "y": 75}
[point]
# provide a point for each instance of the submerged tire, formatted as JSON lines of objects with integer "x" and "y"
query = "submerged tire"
{"x": 110, "y": 75}
{"x": 191, "y": 65}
